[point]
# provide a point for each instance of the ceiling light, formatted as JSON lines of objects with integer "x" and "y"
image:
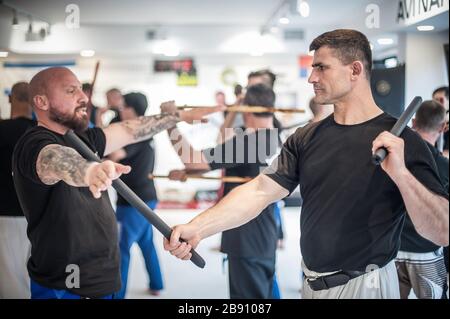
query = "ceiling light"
{"x": 284, "y": 20}
{"x": 385, "y": 41}
{"x": 4, "y": 54}
{"x": 87, "y": 53}
{"x": 15, "y": 21}
{"x": 303, "y": 8}
{"x": 425, "y": 28}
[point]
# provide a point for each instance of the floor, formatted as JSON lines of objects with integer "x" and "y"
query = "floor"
{"x": 183, "y": 280}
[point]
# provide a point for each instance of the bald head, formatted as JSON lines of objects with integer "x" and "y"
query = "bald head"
{"x": 58, "y": 99}
{"x": 44, "y": 81}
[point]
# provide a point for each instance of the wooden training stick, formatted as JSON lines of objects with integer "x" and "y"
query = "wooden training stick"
{"x": 249, "y": 109}
{"x": 97, "y": 66}
{"x": 225, "y": 179}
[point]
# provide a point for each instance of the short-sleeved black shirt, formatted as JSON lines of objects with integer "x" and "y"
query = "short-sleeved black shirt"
{"x": 10, "y": 133}
{"x": 141, "y": 158}
{"x": 67, "y": 226}
{"x": 246, "y": 155}
{"x": 411, "y": 241}
{"x": 352, "y": 213}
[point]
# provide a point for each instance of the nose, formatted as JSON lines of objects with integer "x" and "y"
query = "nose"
{"x": 83, "y": 97}
{"x": 313, "y": 77}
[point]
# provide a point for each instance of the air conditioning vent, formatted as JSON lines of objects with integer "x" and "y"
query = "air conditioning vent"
{"x": 294, "y": 34}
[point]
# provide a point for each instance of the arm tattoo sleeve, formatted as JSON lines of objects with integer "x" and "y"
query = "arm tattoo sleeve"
{"x": 57, "y": 162}
{"x": 145, "y": 127}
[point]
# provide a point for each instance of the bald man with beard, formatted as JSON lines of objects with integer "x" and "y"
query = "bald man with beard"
{"x": 71, "y": 224}
{"x": 14, "y": 244}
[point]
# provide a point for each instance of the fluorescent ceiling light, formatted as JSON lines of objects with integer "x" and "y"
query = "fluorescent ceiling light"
{"x": 425, "y": 28}
{"x": 4, "y": 54}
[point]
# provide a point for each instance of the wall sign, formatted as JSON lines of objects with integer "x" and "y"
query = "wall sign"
{"x": 412, "y": 11}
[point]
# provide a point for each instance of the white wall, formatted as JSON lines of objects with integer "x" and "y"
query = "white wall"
{"x": 426, "y": 67}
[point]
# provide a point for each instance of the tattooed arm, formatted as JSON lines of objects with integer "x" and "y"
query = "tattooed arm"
{"x": 142, "y": 128}
{"x": 59, "y": 163}
{"x": 128, "y": 132}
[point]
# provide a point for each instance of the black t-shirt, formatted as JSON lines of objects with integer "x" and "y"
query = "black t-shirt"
{"x": 141, "y": 158}
{"x": 66, "y": 224}
{"x": 10, "y": 133}
{"x": 352, "y": 213}
{"x": 247, "y": 155}
{"x": 411, "y": 241}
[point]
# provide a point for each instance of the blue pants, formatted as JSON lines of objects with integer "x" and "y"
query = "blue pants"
{"x": 41, "y": 292}
{"x": 134, "y": 228}
{"x": 277, "y": 211}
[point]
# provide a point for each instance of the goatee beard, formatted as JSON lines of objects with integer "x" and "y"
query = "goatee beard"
{"x": 70, "y": 121}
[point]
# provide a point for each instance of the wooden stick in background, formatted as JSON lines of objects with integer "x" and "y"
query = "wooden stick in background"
{"x": 225, "y": 179}
{"x": 249, "y": 109}
{"x": 97, "y": 66}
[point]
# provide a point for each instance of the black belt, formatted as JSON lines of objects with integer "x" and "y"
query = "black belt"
{"x": 330, "y": 281}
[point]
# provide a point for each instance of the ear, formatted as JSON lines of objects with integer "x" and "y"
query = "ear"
{"x": 41, "y": 102}
{"x": 357, "y": 69}
{"x": 414, "y": 123}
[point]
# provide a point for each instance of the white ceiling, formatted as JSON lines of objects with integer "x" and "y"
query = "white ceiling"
{"x": 186, "y": 12}
{"x": 201, "y": 24}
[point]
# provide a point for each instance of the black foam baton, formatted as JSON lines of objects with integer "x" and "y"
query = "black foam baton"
{"x": 130, "y": 196}
{"x": 381, "y": 153}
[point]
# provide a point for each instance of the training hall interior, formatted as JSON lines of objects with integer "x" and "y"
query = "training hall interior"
{"x": 139, "y": 54}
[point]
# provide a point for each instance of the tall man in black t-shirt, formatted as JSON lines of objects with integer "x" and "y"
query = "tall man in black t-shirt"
{"x": 71, "y": 223}
{"x": 420, "y": 263}
{"x": 353, "y": 211}
{"x": 251, "y": 247}
{"x": 14, "y": 244}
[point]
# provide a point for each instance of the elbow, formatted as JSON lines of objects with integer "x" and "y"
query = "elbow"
{"x": 439, "y": 236}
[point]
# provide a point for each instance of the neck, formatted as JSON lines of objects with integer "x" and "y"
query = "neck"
{"x": 261, "y": 123}
{"x": 356, "y": 107}
{"x": 430, "y": 137}
{"x": 20, "y": 110}
{"x": 53, "y": 126}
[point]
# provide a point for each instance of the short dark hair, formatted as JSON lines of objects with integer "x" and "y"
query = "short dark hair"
{"x": 265, "y": 72}
{"x": 350, "y": 46}
{"x": 430, "y": 116}
{"x": 136, "y": 101}
{"x": 260, "y": 95}
{"x": 21, "y": 91}
{"x": 86, "y": 87}
{"x": 441, "y": 89}
{"x": 238, "y": 89}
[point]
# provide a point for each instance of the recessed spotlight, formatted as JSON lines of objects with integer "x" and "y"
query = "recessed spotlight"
{"x": 385, "y": 41}
{"x": 425, "y": 28}
{"x": 87, "y": 53}
{"x": 284, "y": 20}
{"x": 303, "y": 8}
